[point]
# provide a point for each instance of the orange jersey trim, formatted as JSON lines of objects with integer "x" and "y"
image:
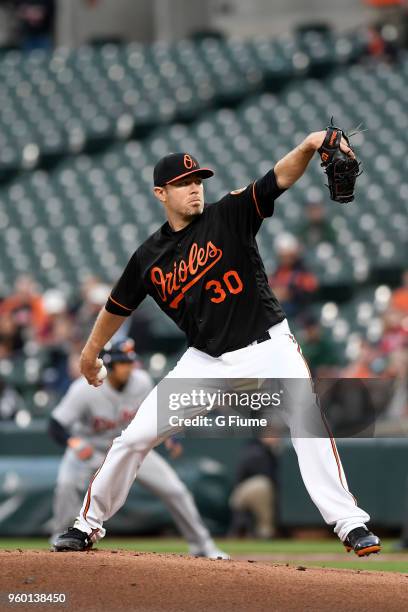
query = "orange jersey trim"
{"x": 256, "y": 201}
{"x": 118, "y": 304}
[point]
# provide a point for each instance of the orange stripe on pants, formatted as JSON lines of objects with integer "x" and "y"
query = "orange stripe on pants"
{"x": 326, "y": 425}
{"x": 88, "y": 495}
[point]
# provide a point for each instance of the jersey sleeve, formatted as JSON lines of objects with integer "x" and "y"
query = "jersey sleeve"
{"x": 247, "y": 208}
{"x": 129, "y": 290}
{"x": 73, "y": 406}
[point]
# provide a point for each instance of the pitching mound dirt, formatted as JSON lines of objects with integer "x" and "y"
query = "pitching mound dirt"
{"x": 117, "y": 580}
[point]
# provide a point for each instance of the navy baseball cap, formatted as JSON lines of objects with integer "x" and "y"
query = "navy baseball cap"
{"x": 122, "y": 351}
{"x": 176, "y": 166}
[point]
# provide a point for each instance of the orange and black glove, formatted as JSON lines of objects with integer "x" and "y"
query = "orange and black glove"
{"x": 342, "y": 171}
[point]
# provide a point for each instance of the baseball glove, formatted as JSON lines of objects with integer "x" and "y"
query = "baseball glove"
{"x": 341, "y": 170}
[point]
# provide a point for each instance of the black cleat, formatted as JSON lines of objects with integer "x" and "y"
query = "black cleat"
{"x": 362, "y": 541}
{"x": 73, "y": 539}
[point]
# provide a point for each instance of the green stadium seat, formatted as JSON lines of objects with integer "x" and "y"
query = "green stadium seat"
{"x": 70, "y": 101}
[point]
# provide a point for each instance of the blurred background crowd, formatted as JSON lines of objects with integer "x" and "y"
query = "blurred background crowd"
{"x": 93, "y": 92}
{"x": 42, "y": 333}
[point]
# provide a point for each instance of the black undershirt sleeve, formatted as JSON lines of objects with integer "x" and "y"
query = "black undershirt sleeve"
{"x": 58, "y": 432}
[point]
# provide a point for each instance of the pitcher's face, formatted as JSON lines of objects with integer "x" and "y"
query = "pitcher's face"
{"x": 184, "y": 198}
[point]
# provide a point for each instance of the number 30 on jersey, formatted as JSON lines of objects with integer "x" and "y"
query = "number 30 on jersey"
{"x": 230, "y": 283}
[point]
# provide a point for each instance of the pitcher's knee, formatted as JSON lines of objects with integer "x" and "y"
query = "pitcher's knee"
{"x": 172, "y": 492}
{"x": 66, "y": 488}
{"x": 179, "y": 493}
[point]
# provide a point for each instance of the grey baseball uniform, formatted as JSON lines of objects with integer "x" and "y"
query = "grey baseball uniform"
{"x": 97, "y": 416}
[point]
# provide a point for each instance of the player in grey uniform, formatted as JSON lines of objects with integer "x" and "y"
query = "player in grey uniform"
{"x": 87, "y": 420}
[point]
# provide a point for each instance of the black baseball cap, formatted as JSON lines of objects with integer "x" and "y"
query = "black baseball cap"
{"x": 176, "y": 166}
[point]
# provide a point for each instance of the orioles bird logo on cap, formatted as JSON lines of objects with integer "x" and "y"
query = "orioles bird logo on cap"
{"x": 189, "y": 163}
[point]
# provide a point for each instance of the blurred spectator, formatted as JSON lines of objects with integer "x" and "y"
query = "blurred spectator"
{"x": 254, "y": 498}
{"x": 351, "y": 405}
{"x": 398, "y": 369}
{"x": 292, "y": 283}
{"x": 316, "y": 228}
{"x": 58, "y": 339}
{"x": 35, "y": 23}
{"x": 399, "y": 298}
{"x": 367, "y": 363}
{"x": 395, "y": 331}
{"x": 383, "y": 42}
{"x": 26, "y": 308}
{"x": 318, "y": 349}
{"x": 86, "y": 286}
{"x": 58, "y": 328}
{"x": 389, "y": 32}
{"x": 11, "y": 341}
{"x": 74, "y": 371}
{"x": 10, "y": 401}
{"x": 386, "y": 358}
{"x": 391, "y": 398}
{"x": 94, "y": 294}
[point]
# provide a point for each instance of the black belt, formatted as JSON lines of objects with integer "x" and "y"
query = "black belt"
{"x": 266, "y": 336}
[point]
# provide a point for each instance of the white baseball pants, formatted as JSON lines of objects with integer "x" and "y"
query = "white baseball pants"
{"x": 155, "y": 474}
{"x": 279, "y": 357}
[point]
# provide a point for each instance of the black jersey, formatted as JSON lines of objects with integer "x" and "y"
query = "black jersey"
{"x": 208, "y": 277}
